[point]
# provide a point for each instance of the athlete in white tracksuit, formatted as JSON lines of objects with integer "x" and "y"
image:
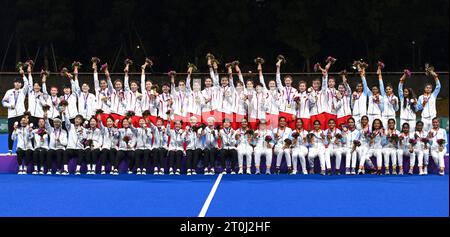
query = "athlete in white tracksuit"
{"x": 299, "y": 146}
{"x": 405, "y": 148}
{"x": 351, "y": 151}
{"x": 282, "y": 146}
{"x": 375, "y": 146}
{"x": 421, "y": 149}
{"x": 365, "y": 140}
{"x": 438, "y": 151}
{"x": 390, "y": 145}
{"x": 244, "y": 140}
{"x": 334, "y": 147}
{"x": 263, "y": 146}
{"x": 317, "y": 142}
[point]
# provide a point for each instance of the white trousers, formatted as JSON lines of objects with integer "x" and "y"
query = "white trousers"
{"x": 318, "y": 152}
{"x": 350, "y": 157}
{"x": 420, "y": 157}
{"x": 438, "y": 157}
{"x": 363, "y": 159}
{"x": 267, "y": 153}
{"x": 337, "y": 153}
{"x": 299, "y": 153}
{"x": 390, "y": 155}
{"x": 245, "y": 151}
{"x": 405, "y": 152}
{"x": 377, "y": 152}
{"x": 427, "y": 124}
{"x": 280, "y": 152}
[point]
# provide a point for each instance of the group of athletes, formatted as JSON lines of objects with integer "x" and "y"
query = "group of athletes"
{"x": 159, "y": 129}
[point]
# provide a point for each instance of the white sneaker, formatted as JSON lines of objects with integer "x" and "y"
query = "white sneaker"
{"x": 353, "y": 172}
{"x": 20, "y": 172}
{"x": 233, "y": 173}
{"x": 41, "y": 172}
{"x": 257, "y": 172}
{"x": 130, "y": 172}
{"x": 138, "y": 173}
{"x": 58, "y": 172}
{"x": 206, "y": 170}
{"x": 116, "y": 173}
{"x": 49, "y": 173}
{"x": 189, "y": 173}
{"x": 78, "y": 173}
{"x": 294, "y": 172}
{"x": 212, "y": 172}
{"x": 305, "y": 172}
{"x": 425, "y": 170}
{"x": 161, "y": 172}
{"x": 207, "y": 173}
{"x": 240, "y": 171}
{"x": 442, "y": 173}
{"x": 103, "y": 172}
{"x": 194, "y": 173}
{"x": 224, "y": 172}
{"x": 177, "y": 172}
{"x": 35, "y": 173}
{"x": 268, "y": 172}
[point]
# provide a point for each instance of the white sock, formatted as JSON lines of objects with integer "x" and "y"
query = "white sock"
{"x": 35, "y": 168}
{"x": 94, "y": 167}
{"x": 66, "y": 167}
{"x": 78, "y": 168}
{"x": 103, "y": 168}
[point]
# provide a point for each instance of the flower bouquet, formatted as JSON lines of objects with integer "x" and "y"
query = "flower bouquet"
{"x": 268, "y": 138}
{"x": 76, "y": 65}
{"x": 259, "y": 60}
{"x": 380, "y": 65}
{"x": 331, "y": 60}
{"x": 128, "y": 62}
{"x": 356, "y": 64}
{"x": 236, "y": 63}
{"x": 149, "y": 62}
{"x": 425, "y": 141}
{"x": 87, "y": 143}
{"x": 104, "y": 67}
{"x": 45, "y": 73}
{"x": 343, "y": 73}
{"x": 356, "y": 143}
{"x": 210, "y": 56}
{"x": 363, "y": 65}
{"x": 64, "y": 72}
{"x": 295, "y": 135}
{"x": 126, "y": 139}
{"x": 317, "y": 67}
{"x": 29, "y": 63}
{"x": 413, "y": 141}
{"x": 428, "y": 69}
{"x": 95, "y": 60}
{"x": 46, "y": 108}
{"x": 440, "y": 142}
{"x": 172, "y": 73}
{"x": 193, "y": 66}
{"x": 281, "y": 58}
{"x": 63, "y": 103}
{"x": 19, "y": 66}
{"x": 407, "y": 73}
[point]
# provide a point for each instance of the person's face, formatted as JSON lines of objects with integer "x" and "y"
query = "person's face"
{"x": 193, "y": 121}
{"x": 226, "y": 124}
{"x": 359, "y": 87}
{"x": 331, "y": 124}
{"x": 103, "y": 84}
{"x": 165, "y": 89}
{"x": 341, "y": 89}
{"x": 428, "y": 89}
{"x": 78, "y": 121}
{"x": 134, "y": 87}
{"x": 57, "y": 123}
{"x": 331, "y": 83}
{"x": 23, "y": 122}
{"x": 178, "y": 125}
{"x": 125, "y": 123}
{"x": 208, "y": 82}
{"x": 375, "y": 90}
{"x": 316, "y": 85}
{"x": 159, "y": 123}
{"x": 377, "y": 124}
{"x": 41, "y": 123}
{"x": 272, "y": 85}
{"x": 262, "y": 126}
{"x": 406, "y": 92}
{"x": 288, "y": 81}
{"x": 239, "y": 86}
{"x": 299, "y": 124}
{"x": 302, "y": 87}
{"x": 93, "y": 123}
{"x": 317, "y": 126}
{"x": 196, "y": 86}
{"x": 67, "y": 91}
{"x": 351, "y": 124}
{"x": 364, "y": 121}
{"x": 54, "y": 91}
{"x": 224, "y": 82}
{"x": 250, "y": 85}
{"x": 244, "y": 123}
{"x": 259, "y": 89}
{"x": 391, "y": 124}
{"x": 389, "y": 90}
{"x": 419, "y": 127}
{"x": 182, "y": 85}
{"x": 148, "y": 85}
{"x": 118, "y": 85}
{"x": 17, "y": 85}
{"x": 109, "y": 123}
{"x": 405, "y": 128}
{"x": 436, "y": 123}
{"x": 282, "y": 123}
{"x": 142, "y": 122}
{"x": 85, "y": 87}
{"x": 210, "y": 123}
{"x": 36, "y": 87}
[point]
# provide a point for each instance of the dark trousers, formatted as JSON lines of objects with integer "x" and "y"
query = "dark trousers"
{"x": 124, "y": 155}
{"x": 210, "y": 157}
{"x": 175, "y": 159}
{"x": 55, "y": 155}
{"x": 39, "y": 157}
{"x": 75, "y": 153}
{"x": 92, "y": 156}
{"x": 108, "y": 156}
{"x": 192, "y": 158}
{"x": 229, "y": 155}
{"x": 24, "y": 156}
{"x": 158, "y": 157}
{"x": 141, "y": 158}
{"x": 11, "y": 122}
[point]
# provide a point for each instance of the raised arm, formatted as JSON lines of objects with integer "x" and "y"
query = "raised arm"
{"x": 367, "y": 91}
{"x": 261, "y": 77}
{"x": 278, "y": 77}
{"x": 400, "y": 87}
{"x": 380, "y": 80}
{"x": 25, "y": 83}
{"x": 438, "y": 86}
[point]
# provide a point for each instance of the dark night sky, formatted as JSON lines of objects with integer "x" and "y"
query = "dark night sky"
{"x": 176, "y": 32}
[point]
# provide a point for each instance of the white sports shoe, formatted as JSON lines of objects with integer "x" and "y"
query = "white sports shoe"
{"x": 294, "y": 172}
{"x": 240, "y": 171}
{"x": 49, "y": 173}
{"x": 103, "y": 172}
{"x": 77, "y": 173}
{"x": 249, "y": 171}
{"x": 194, "y": 173}
{"x": 233, "y": 173}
